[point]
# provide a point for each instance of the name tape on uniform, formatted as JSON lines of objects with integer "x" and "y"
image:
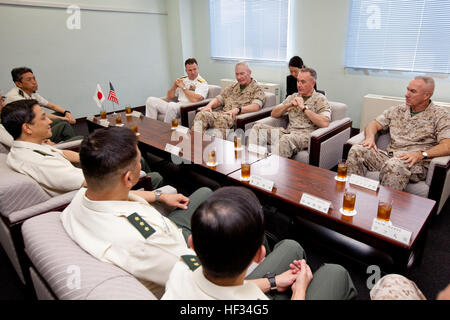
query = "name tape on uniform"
{"x": 364, "y": 182}
{"x": 390, "y": 231}
{"x": 257, "y": 149}
{"x": 172, "y": 149}
{"x": 261, "y": 183}
{"x": 315, "y": 203}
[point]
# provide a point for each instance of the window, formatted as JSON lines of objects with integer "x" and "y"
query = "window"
{"x": 399, "y": 35}
{"x": 249, "y": 29}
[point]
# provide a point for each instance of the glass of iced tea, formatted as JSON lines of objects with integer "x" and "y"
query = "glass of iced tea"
{"x": 128, "y": 110}
{"x": 384, "y": 209}
{"x": 174, "y": 124}
{"x": 342, "y": 171}
{"x": 212, "y": 160}
{"x": 134, "y": 127}
{"x": 245, "y": 171}
{"x": 103, "y": 115}
{"x": 118, "y": 118}
{"x": 237, "y": 143}
{"x": 349, "y": 202}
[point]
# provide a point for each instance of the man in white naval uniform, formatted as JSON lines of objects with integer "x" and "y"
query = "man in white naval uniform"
{"x": 187, "y": 89}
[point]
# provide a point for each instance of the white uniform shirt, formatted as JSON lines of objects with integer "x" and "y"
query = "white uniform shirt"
{"x": 46, "y": 165}
{"x": 5, "y": 137}
{"x": 198, "y": 85}
{"x": 102, "y": 229}
{"x": 185, "y": 284}
{"x": 18, "y": 94}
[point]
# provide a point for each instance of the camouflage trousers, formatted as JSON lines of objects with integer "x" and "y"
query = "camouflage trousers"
{"x": 219, "y": 122}
{"x": 284, "y": 142}
{"x": 394, "y": 172}
{"x": 396, "y": 287}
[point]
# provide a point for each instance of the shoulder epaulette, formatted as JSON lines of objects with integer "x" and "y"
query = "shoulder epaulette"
{"x": 200, "y": 79}
{"x": 182, "y": 77}
{"x": 21, "y": 93}
{"x": 143, "y": 227}
{"x": 191, "y": 261}
{"x": 43, "y": 153}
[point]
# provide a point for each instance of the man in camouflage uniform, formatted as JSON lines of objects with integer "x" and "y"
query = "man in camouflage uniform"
{"x": 307, "y": 111}
{"x": 419, "y": 131}
{"x": 242, "y": 97}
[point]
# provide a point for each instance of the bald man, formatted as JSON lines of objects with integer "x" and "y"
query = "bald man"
{"x": 241, "y": 97}
{"x": 419, "y": 131}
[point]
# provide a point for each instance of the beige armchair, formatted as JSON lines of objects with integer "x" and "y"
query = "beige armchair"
{"x": 325, "y": 144}
{"x": 437, "y": 183}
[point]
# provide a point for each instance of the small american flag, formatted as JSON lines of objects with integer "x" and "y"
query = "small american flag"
{"x": 112, "y": 94}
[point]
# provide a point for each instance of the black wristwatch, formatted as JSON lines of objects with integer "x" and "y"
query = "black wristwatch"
{"x": 157, "y": 194}
{"x": 271, "y": 277}
{"x": 424, "y": 154}
{"x": 240, "y": 109}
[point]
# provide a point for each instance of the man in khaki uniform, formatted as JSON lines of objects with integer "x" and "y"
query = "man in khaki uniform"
{"x": 52, "y": 168}
{"x": 307, "y": 110}
{"x": 419, "y": 131}
{"x": 190, "y": 88}
{"x": 120, "y": 226}
{"x": 229, "y": 218}
{"x": 242, "y": 97}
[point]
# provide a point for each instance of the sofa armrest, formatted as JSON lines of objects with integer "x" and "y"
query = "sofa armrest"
{"x": 351, "y": 142}
{"x": 275, "y": 122}
{"x": 71, "y": 145}
{"x": 243, "y": 119}
{"x": 340, "y": 132}
{"x": 188, "y": 107}
{"x": 438, "y": 162}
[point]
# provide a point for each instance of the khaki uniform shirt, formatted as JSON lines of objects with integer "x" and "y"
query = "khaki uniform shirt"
{"x": 185, "y": 284}
{"x": 18, "y": 94}
{"x": 46, "y": 165}
{"x": 198, "y": 85}
{"x": 232, "y": 96}
{"x": 317, "y": 103}
{"x": 415, "y": 133}
{"x": 103, "y": 230}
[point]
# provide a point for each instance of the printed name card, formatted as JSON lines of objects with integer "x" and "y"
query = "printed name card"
{"x": 182, "y": 130}
{"x": 136, "y": 114}
{"x": 104, "y": 123}
{"x": 390, "y": 231}
{"x": 261, "y": 183}
{"x": 315, "y": 203}
{"x": 364, "y": 182}
{"x": 172, "y": 149}
{"x": 90, "y": 118}
{"x": 257, "y": 149}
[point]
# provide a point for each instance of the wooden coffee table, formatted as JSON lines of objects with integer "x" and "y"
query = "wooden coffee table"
{"x": 293, "y": 178}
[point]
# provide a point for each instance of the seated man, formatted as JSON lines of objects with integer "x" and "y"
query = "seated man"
{"x": 419, "y": 131}
{"x": 26, "y": 87}
{"x": 227, "y": 235}
{"x": 5, "y": 137}
{"x": 119, "y": 226}
{"x": 52, "y": 168}
{"x": 307, "y": 109}
{"x": 242, "y": 97}
{"x": 190, "y": 88}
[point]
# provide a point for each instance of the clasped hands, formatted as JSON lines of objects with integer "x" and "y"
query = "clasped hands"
{"x": 409, "y": 158}
{"x": 298, "y": 102}
{"x": 297, "y": 278}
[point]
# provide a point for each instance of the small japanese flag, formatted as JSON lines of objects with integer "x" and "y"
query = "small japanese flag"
{"x": 99, "y": 97}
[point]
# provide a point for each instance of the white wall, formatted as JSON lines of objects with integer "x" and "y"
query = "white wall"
{"x": 319, "y": 30}
{"x": 129, "y": 49}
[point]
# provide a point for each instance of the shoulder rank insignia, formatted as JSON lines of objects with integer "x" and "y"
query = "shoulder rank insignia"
{"x": 43, "y": 153}
{"x": 143, "y": 227}
{"x": 191, "y": 261}
{"x": 200, "y": 79}
{"x": 182, "y": 77}
{"x": 21, "y": 93}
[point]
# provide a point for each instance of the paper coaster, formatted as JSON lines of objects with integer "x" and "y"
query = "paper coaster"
{"x": 211, "y": 164}
{"x": 238, "y": 149}
{"x": 340, "y": 179}
{"x": 138, "y": 134}
{"x": 348, "y": 213}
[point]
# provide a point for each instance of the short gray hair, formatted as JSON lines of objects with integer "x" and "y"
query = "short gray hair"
{"x": 311, "y": 71}
{"x": 429, "y": 81}
{"x": 242, "y": 63}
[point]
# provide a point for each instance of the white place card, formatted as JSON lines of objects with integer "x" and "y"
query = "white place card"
{"x": 104, "y": 123}
{"x": 315, "y": 203}
{"x": 136, "y": 114}
{"x": 257, "y": 149}
{"x": 182, "y": 130}
{"x": 172, "y": 149}
{"x": 390, "y": 231}
{"x": 119, "y": 125}
{"x": 364, "y": 182}
{"x": 90, "y": 118}
{"x": 261, "y": 183}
